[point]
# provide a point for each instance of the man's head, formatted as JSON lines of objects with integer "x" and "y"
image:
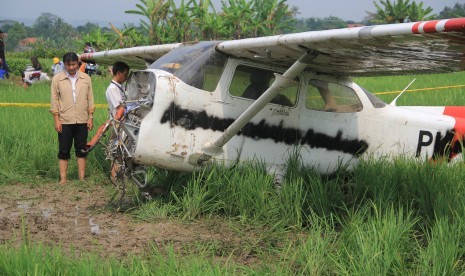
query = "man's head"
{"x": 120, "y": 71}
{"x": 71, "y": 61}
{"x": 1, "y": 33}
{"x": 88, "y": 48}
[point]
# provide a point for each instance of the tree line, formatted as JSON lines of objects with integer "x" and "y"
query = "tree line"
{"x": 164, "y": 21}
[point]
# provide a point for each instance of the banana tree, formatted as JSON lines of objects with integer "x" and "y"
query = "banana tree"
{"x": 157, "y": 12}
{"x": 238, "y": 16}
{"x": 399, "y": 11}
{"x": 204, "y": 19}
{"x": 271, "y": 17}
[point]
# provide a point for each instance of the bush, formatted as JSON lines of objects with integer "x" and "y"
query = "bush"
{"x": 17, "y": 65}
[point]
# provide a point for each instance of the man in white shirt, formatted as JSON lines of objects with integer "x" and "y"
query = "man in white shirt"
{"x": 115, "y": 92}
{"x": 115, "y": 97}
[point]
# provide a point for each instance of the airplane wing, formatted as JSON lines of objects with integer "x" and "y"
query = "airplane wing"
{"x": 407, "y": 48}
{"x": 136, "y": 57}
{"x": 436, "y": 46}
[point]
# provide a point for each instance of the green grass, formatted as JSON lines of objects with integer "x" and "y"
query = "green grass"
{"x": 421, "y": 92}
{"x": 36, "y": 259}
{"x": 400, "y": 217}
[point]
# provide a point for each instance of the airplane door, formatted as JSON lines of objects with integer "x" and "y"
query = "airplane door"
{"x": 270, "y": 133}
{"x": 329, "y": 125}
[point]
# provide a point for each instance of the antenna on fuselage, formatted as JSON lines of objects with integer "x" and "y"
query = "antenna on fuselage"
{"x": 405, "y": 89}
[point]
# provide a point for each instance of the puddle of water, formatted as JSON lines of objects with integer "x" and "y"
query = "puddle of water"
{"x": 24, "y": 205}
{"x": 113, "y": 232}
{"x": 94, "y": 228}
{"x": 81, "y": 222}
{"x": 47, "y": 212}
{"x": 87, "y": 222}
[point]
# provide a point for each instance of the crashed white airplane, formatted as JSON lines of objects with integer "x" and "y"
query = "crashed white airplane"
{"x": 228, "y": 101}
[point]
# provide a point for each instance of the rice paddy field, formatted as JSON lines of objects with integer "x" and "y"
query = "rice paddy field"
{"x": 399, "y": 217}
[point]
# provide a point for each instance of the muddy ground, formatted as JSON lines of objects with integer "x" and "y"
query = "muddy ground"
{"x": 82, "y": 216}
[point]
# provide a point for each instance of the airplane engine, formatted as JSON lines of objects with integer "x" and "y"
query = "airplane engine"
{"x": 140, "y": 91}
{"x": 122, "y": 143}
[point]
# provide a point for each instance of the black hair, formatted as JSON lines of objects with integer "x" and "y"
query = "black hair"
{"x": 69, "y": 57}
{"x": 1, "y": 32}
{"x": 119, "y": 66}
{"x": 88, "y": 44}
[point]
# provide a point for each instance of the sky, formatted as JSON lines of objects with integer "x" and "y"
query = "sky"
{"x": 104, "y": 11}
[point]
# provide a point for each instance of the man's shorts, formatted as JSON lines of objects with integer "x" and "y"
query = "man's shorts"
{"x": 78, "y": 134}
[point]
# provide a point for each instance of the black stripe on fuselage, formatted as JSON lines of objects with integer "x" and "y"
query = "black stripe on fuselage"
{"x": 191, "y": 120}
{"x": 445, "y": 147}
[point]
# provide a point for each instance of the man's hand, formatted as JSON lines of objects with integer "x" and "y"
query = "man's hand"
{"x": 90, "y": 124}
{"x": 58, "y": 126}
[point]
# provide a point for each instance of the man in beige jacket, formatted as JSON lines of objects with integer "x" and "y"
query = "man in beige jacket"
{"x": 72, "y": 106}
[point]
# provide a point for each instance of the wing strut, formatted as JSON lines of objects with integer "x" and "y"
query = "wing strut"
{"x": 282, "y": 81}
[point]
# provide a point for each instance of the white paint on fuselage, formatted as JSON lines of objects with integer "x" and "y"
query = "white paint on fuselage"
{"x": 388, "y": 131}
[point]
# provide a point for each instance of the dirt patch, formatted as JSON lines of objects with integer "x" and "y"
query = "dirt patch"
{"x": 80, "y": 216}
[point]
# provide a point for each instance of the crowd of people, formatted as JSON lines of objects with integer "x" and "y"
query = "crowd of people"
{"x": 72, "y": 101}
{"x": 35, "y": 72}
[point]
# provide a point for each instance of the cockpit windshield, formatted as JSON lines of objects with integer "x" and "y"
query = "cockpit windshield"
{"x": 377, "y": 102}
{"x": 198, "y": 65}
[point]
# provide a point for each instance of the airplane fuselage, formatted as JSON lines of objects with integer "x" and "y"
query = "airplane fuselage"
{"x": 329, "y": 119}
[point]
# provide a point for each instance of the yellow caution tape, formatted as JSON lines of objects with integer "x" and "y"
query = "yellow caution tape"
{"x": 376, "y": 93}
{"x": 420, "y": 89}
{"x": 39, "y": 104}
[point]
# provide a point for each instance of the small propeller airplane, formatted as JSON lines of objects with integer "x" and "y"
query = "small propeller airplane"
{"x": 227, "y": 101}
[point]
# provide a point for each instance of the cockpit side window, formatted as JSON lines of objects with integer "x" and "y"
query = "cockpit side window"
{"x": 250, "y": 82}
{"x": 198, "y": 65}
{"x": 331, "y": 97}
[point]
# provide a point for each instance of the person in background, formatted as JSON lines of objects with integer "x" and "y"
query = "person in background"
{"x": 32, "y": 73}
{"x": 82, "y": 65}
{"x": 72, "y": 107}
{"x": 36, "y": 64}
{"x": 57, "y": 66}
{"x": 2, "y": 71}
{"x": 2, "y": 54}
{"x": 88, "y": 48}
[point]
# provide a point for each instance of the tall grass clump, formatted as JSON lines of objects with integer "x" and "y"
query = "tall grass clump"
{"x": 310, "y": 254}
{"x": 375, "y": 242}
{"x": 37, "y": 259}
{"x": 197, "y": 199}
{"x": 431, "y": 189}
{"x": 246, "y": 192}
{"x": 443, "y": 253}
